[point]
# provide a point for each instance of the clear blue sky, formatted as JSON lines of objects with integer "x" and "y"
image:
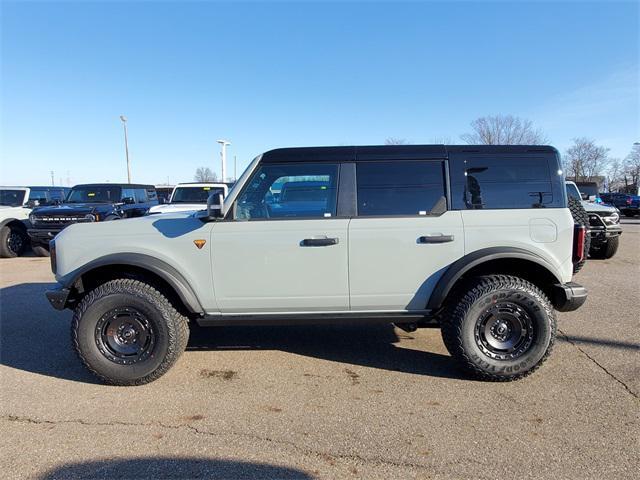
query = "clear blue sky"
{"x": 266, "y": 75}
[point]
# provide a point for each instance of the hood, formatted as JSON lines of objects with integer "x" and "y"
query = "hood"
{"x": 599, "y": 208}
{"x": 177, "y": 207}
{"x": 72, "y": 209}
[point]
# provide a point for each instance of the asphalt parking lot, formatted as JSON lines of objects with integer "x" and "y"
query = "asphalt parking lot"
{"x": 325, "y": 402}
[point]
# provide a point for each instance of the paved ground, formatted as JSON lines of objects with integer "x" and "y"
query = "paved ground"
{"x": 325, "y": 402}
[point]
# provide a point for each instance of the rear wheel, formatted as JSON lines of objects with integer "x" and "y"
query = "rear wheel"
{"x": 499, "y": 327}
{"x": 13, "y": 241}
{"x": 581, "y": 217}
{"x": 128, "y": 333}
{"x": 606, "y": 250}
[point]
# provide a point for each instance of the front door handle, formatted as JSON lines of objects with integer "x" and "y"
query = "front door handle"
{"x": 436, "y": 238}
{"x": 319, "y": 242}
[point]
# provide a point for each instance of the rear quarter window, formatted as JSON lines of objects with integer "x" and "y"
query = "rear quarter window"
{"x": 503, "y": 182}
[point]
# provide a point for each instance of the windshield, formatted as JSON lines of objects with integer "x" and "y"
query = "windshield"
{"x": 12, "y": 198}
{"x": 194, "y": 194}
{"x": 572, "y": 192}
{"x": 94, "y": 195}
{"x": 590, "y": 190}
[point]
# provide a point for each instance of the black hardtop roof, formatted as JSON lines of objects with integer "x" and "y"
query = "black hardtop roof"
{"x": 47, "y": 187}
{"x": 123, "y": 185}
{"x": 391, "y": 152}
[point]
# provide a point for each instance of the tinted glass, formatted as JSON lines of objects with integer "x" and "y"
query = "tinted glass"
{"x": 94, "y": 195}
{"x": 57, "y": 194}
{"x": 40, "y": 195}
{"x": 399, "y": 187}
{"x": 502, "y": 182}
{"x": 290, "y": 191}
{"x": 141, "y": 195}
{"x": 12, "y": 198}
{"x": 152, "y": 195}
{"x": 572, "y": 192}
{"x": 194, "y": 194}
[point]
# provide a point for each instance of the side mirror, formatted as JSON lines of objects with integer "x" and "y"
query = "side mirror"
{"x": 215, "y": 203}
{"x": 33, "y": 203}
{"x": 128, "y": 200}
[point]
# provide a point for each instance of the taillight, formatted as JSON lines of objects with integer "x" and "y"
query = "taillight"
{"x": 53, "y": 255}
{"x": 579, "y": 235}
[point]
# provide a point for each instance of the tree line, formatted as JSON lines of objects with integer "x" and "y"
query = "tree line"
{"x": 583, "y": 161}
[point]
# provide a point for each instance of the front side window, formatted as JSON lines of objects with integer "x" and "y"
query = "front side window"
{"x": 399, "y": 187}
{"x": 291, "y": 190}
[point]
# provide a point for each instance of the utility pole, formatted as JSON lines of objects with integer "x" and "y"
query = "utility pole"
{"x": 126, "y": 147}
{"x": 223, "y": 155}
{"x": 52, "y": 181}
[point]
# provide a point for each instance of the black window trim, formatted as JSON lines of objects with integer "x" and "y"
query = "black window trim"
{"x": 231, "y": 213}
{"x": 445, "y": 178}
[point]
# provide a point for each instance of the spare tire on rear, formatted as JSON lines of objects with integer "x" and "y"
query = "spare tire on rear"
{"x": 580, "y": 217}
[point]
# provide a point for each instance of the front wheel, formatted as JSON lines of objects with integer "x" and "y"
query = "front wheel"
{"x": 13, "y": 241}
{"x": 607, "y": 250}
{"x": 128, "y": 333}
{"x": 500, "y": 328}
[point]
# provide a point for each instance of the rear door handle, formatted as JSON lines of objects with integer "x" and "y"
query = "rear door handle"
{"x": 436, "y": 238}
{"x": 319, "y": 242}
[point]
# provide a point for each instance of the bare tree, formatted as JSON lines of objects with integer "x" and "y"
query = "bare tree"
{"x": 204, "y": 174}
{"x": 395, "y": 141}
{"x": 445, "y": 140}
{"x": 585, "y": 160}
{"x": 615, "y": 175}
{"x": 632, "y": 166}
{"x": 503, "y": 130}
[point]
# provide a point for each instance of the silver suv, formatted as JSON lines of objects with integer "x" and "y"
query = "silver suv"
{"x": 476, "y": 239}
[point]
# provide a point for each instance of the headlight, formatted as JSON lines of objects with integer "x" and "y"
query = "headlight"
{"x": 32, "y": 218}
{"x": 90, "y": 217}
{"x": 612, "y": 219}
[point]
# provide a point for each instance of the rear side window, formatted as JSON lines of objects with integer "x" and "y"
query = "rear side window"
{"x": 399, "y": 187}
{"x": 491, "y": 182}
{"x": 141, "y": 195}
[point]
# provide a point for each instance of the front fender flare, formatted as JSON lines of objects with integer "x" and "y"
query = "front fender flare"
{"x": 162, "y": 269}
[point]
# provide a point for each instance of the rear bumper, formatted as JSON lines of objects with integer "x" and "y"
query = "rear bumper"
{"x": 58, "y": 297}
{"x": 568, "y": 296}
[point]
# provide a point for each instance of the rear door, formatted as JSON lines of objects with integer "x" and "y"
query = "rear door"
{"x": 283, "y": 253}
{"x": 403, "y": 237}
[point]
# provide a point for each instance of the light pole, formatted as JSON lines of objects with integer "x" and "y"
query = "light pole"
{"x": 126, "y": 147}
{"x": 223, "y": 155}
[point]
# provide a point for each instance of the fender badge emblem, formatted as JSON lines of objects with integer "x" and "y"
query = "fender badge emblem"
{"x": 199, "y": 243}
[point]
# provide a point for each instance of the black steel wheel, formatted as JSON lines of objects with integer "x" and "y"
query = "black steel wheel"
{"x": 13, "y": 241}
{"x": 125, "y": 336}
{"x": 499, "y": 327}
{"x": 128, "y": 333}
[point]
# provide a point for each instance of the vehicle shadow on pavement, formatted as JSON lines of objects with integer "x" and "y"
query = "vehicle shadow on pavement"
{"x": 36, "y": 338}
{"x": 173, "y": 467}
{"x": 364, "y": 345}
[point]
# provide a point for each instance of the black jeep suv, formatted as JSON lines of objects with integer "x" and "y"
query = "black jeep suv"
{"x": 96, "y": 202}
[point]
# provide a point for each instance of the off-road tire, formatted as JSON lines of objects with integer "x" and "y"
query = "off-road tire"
{"x": 607, "y": 250}
{"x": 581, "y": 217}
{"x": 468, "y": 306}
{"x": 171, "y": 330}
{"x": 13, "y": 242}
{"x": 40, "y": 250}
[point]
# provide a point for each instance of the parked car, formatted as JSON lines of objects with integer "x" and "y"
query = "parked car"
{"x": 15, "y": 206}
{"x": 476, "y": 239}
{"x": 604, "y": 225}
{"x": 89, "y": 203}
{"x": 187, "y": 197}
{"x": 164, "y": 193}
{"x": 629, "y": 205}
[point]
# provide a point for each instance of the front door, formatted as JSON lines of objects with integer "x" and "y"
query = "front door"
{"x": 283, "y": 250}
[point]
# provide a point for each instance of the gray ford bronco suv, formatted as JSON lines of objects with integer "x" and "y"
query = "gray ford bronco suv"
{"x": 478, "y": 240}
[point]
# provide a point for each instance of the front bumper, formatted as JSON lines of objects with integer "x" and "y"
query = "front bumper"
{"x": 58, "y": 297}
{"x": 43, "y": 236}
{"x": 567, "y": 297}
